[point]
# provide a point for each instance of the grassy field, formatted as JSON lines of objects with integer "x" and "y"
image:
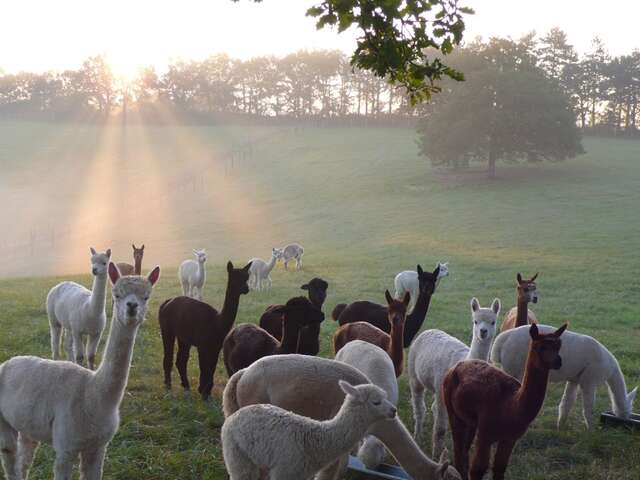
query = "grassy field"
{"x": 365, "y": 206}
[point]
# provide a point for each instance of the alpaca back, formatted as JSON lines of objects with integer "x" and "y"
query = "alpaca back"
{"x": 360, "y": 331}
{"x": 258, "y": 266}
{"x": 293, "y": 250}
{"x": 69, "y": 303}
{"x": 190, "y": 273}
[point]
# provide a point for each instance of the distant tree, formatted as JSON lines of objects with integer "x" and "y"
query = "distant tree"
{"x": 394, "y": 35}
{"x": 594, "y": 69}
{"x": 97, "y": 82}
{"x": 507, "y": 109}
{"x": 555, "y": 53}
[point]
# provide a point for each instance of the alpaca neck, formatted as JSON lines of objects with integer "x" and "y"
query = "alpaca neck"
{"x": 112, "y": 374}
{"x": 479, "y": 349}
{"x": 290, "y": 337}
{"x": 345, "y": 429}
{"x": 202, "y": 272}
{"x": 137, "y": 269}
{"x": 617, "y": 391}
{"x": 416, "y": 318}
{"x": 522, "y": 312}
{"x": 530, "y": 396}
{"x": 230, "y": 307}
{"x": 404, "y": 449}
{"x": 396, "y": 346}
{"x": 98, "y": 294}
{"x": 270, "y": 265}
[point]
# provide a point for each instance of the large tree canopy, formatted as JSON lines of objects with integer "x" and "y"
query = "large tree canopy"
{"x": 394, "y": 36}
{"x": 507, "y": 109}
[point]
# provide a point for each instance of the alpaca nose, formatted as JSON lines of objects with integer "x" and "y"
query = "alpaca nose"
{"x": 94, "y": 270}
{"x": 483, "y": 333}
{"x": 132, "y": 308}
{"x": 393, "y": 412}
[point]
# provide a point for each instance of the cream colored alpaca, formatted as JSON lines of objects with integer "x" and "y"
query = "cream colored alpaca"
{"x": 193, "y": 275}
{"x": 78, "y": 313}
{"x": 260, "y": 271}
{"x": 71, "y": 408}
{"x": 261, "y": 440}
{"x": 433, "y": 353}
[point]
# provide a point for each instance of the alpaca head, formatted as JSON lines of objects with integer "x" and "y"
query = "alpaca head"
{"x": 138, "y": 253}
{"x": 397, "y": 308}
{"x": 484, "y": 320}
{"x": 427, "y": 280}
{"x": 317, "y": 290}
{"x": 99, "y": 262}
{"x": 301, "y": 311}
{"x": 131, "y": 295}
{"x": 371, "y": 397}
{"x": 444, "y": 270}
{"x": 238, "y": 278}
{"x": 201, "y": 255}
{"x": 527, "y": 289}
{"x": 627, "y": 408}
{"x": 277, "y": 253}
{"x": 545, "y": 348}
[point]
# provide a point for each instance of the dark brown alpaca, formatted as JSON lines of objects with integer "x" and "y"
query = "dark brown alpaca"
{"x": 195, "y": 323}
{"x": 127, "y": 268}
{"x": 521, "y": 315}
{"x": 309, "y": 344}
{"x": 486, "y": 403}
{"x": 391, "y": 343}
{"x": 376, "y": 314}
{"x": 247, "y": 343}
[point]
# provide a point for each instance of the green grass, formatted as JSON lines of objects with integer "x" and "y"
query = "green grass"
{"x": 365, "y": 207}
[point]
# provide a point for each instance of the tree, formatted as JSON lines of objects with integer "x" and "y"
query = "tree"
{"x": 394, "y": 35}
{"x": 506, "y": 110}
{"x": 555, "y": 53}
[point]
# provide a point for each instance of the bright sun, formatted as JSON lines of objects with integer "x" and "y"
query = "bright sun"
{"x": 124, "y": 67}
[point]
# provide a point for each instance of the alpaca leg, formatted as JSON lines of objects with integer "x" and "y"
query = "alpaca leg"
{"x": 238, "y": 465}
{"x": 92, "y": 348}
{"x": 185, "y": 289}
{"x": 26, "y": 451}
{"x": 286, "y": 264}
{"x": 269, "y": 282}
{"x": 56, "y": 336}
{"x": 480, "y": 461}
{"x": 440, "y": 426}
{"x": 206, "y": 373}
{"x": 168, "y": 342}
{"x": 68, "y": 343}
{"x": 588, "y": 400}
{"x": 335, "y": 470}
{"x": 78, "y": 348}
{"x": 182, "y": 358}
{"x": 91, "y": 462}
{"x": 459, "y": 431}
{"x": 419, "y": 408}
{"x": 501, "y": 458}
{"x": 63, "y": 466}
{"x": 9, "y": 450}
{"x": 298, "y": 263}
{"x": 566, "y": 404}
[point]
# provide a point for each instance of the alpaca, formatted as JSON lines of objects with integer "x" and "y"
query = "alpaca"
{"x": 378, "y": 368}
{"x": 193, "y": 274}
{"x": 260, "y": 271}
{"x": 127, "y": 268}
{"x": 376, "y": 314}
{"x": 261, "y": 440}
{"x": 407, "y": 281}
{"x": 586, "y": 364}
{"x": 292, "y": 251}
{"x": 195, "y": 323}
{"x": 71, "y": 408}
{"x": 486, "y": 403}
{"x": 309, "y": 344}
{"x": 520, "y": 315}
{"x": 247, "y": 343}
{"x": 309, "y": 386}
{"x": 433, "y": 353}
{"x": 78, "y": 312}
{"x": 390, "y": 343}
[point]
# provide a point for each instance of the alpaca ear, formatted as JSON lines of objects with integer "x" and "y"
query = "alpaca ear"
{"x": 142, "y": 247}
{"x": 495, "y": 306}
{"x": 436, "y": 272}
{"x": 560, "y": 331}
{"x": 195, "y": 251}
{"x": 444, "y": 456}
{"x": 631, "y": 396}
{"x": 419, "y": 270}
{"x": 519, "y": 277}
{"x": 349, "y": 389}
{"x": 475, "y": 305}
{"x": 108, "y": 252}
{"x": 305, "y": 286}
{"x": 534, "y": 277}
{"x": 154, "y": 275}
{"x": 388, "y": 296}
{"x": 246, "y": 267}
{"x": 442, "y": 471}
{"x": 114, "y": 273}
{"x": 229, "y": 266}
{"x": 406, "y": 299}
{"x": 134, "y": 246}
{"x": 533, "y": 331}
{"x": 93, "y": 250}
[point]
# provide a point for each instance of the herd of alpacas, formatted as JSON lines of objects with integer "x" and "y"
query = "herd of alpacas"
{"x": 291, "y": 415}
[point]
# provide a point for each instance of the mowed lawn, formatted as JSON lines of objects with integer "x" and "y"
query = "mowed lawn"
{"x": 365, "y": 207}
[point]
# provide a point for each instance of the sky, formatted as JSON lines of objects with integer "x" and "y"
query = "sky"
{"x": 38, "y": 35}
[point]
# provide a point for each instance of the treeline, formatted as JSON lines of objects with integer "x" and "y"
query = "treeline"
{"x": 603, "y": 90}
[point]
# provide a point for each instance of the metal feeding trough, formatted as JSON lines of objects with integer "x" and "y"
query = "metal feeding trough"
{"x": 389, "y": 472}
{"x": 608, "y": 418}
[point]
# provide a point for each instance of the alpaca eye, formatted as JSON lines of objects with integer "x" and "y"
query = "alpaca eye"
{"x": 377, "y": 402}
{"x": 493, "y": 323}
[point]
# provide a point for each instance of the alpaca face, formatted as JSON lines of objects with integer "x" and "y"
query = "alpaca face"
{"x": 546, "y": 348}
{"x": 317, "y": 289}
{"x": 138, "y": 253}
{"x": 444, "y": 270}
{"x": 200, "y": 255}
{"x": 427, "y": 280}
{"x": 276, "y": 253}
{"x": 372, "y": 396}
{"x": 238, "y": 277}
{"x": 484, "y": 320}
{"x": 628, "y": 407}
{"x": 527, "y": 289}
{"x": 131, "y": 295}
{"x": 397, "y": 308}
{"x": 99, "y": 262}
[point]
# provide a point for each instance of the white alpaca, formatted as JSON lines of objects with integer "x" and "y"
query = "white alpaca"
{"x": 292, "y": 251}
{"x": 260, "y": 271}
{"x": 407, "y": 281}
{"x": 309, "y": 386}
{"x": 433, "y": 353}
{"x": 261, "y": 439}
{"x": 193, "y": 274}
{"x": 71, "y": 408}
{"x": 586, "y": 363}
{"x": 376, "y": 364}
{"x": 78, "y": 313}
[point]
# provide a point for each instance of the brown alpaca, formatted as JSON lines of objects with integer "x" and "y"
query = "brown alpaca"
{"x": 247, "y": 343}
{"x": 127, "y": 268}
{"x": 390, "y": 343}
{"x": 195, "y": 323}
{"x": 521, "y": 315}
{"x": 486, "y": 403}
